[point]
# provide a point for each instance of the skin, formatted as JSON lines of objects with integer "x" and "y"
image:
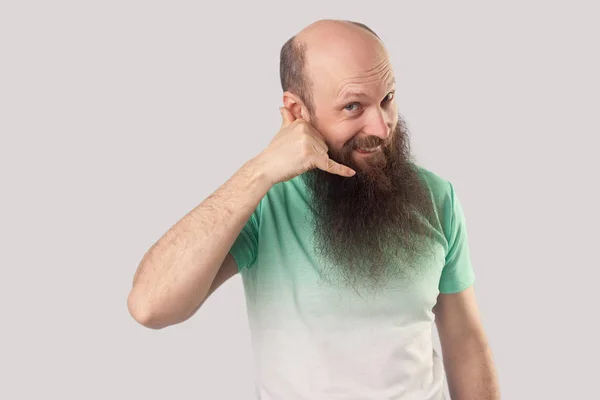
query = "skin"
{"x": 337, "y": 70}
{"x": 192, "y": 259}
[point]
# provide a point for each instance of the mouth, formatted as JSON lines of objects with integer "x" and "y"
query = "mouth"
{"x": 368, "y": 150}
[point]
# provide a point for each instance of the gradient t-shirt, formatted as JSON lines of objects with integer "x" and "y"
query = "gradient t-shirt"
{"x": 315, "y": 341}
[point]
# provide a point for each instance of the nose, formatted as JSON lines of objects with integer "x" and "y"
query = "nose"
{"x": 377, "y": 124}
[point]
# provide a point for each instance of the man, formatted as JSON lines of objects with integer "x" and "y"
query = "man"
{"x": 347, "y": 249}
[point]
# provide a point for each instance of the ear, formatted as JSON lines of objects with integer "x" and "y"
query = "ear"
{"x": 296, "y": 106}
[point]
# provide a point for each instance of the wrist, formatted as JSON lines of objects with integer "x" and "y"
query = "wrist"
{"x": 257, "y": 172}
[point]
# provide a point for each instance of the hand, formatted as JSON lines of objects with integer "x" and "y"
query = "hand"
{"x": 297, "y": 148}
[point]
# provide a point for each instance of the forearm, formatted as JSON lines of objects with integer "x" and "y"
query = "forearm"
{"x": 175, "y": 274}
{"x": 470, "y": 370}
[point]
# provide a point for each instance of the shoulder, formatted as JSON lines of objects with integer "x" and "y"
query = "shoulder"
{"x": 441, "y": 192}
{"x": 285, "y": 197}
{"x": 439, "y": 187}
{"x": 290, "y": 190}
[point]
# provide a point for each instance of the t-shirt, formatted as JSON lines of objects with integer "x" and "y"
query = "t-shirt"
{"x": 315, "y": 341}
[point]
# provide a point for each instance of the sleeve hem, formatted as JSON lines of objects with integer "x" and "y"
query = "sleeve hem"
{"x": 236, "y": 259}
{"x": 449, "y": 289}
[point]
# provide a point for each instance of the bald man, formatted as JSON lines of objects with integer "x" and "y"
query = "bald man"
{"x": 348, "y": 250}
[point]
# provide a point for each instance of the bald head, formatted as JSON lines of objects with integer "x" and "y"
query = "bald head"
{"x": 337, "y": 76}
{"x": 322, "y": 45}
{"x": 335, "y": 28}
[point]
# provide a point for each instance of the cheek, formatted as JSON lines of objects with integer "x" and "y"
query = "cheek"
{"x": 344, "y": 140}
{"x": 394, "y": 115}
{"x": 347, "y": 132}
{"x": 338, "y": 138}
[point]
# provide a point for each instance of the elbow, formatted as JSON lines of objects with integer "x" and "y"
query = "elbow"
{"x": 143, "y": 314}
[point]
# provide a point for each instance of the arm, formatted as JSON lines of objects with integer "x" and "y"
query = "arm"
{"x": 191, "y": 259}
{"x": 177, "y": 273}
{"x": 467, "y": 357}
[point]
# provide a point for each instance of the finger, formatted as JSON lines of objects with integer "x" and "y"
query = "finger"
{"x": 327, "y": 164}
{"x": 287, "y": 117}
{"x": 319, "y": 145}
{"x": 323, "y": 145}
{"x": 317, "y": 137}
{"x": 320, "y": 148}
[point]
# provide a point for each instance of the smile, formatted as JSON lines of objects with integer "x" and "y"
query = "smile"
{"x": 367, "y": 150}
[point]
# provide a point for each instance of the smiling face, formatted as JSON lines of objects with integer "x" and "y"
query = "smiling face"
{"x": 354, "y": 105}
{"x": 365, "y": 226}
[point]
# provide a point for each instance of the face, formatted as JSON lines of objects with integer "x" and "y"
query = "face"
{"x": 356, "y": 114}
{"x": 366, "y": 227}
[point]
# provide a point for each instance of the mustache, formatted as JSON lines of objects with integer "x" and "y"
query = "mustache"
{"x": 366, "y": 143}
{"x": 370, "y": 141}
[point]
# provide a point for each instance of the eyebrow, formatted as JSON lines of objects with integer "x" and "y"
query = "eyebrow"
{"x": 350, "y": 93}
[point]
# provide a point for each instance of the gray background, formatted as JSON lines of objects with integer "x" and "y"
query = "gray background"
{"x": 119, "y": 117}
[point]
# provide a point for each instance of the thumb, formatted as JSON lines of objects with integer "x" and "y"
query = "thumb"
{"x": 287, "y": 117}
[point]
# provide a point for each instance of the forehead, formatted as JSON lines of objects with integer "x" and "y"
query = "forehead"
{"x": 336, "y": 76}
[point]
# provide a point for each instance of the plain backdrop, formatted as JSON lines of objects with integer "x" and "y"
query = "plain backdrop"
{"x": 118, "y": 117}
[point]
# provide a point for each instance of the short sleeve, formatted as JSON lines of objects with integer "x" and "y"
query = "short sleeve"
{"x": 245, "y": 247}
{"x": 457, "y": 274}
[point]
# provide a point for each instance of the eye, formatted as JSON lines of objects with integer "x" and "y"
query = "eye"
{"x": 389, "y": 97}
{"x": 352, "y": 107}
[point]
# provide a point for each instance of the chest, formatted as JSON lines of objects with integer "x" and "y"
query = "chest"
{"x": 286, "y": 284}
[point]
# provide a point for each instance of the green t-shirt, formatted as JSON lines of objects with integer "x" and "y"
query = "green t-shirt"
{"x": 317, "y": 342}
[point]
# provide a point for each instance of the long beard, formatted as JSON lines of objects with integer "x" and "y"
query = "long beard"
{"x": 369, "y": 228}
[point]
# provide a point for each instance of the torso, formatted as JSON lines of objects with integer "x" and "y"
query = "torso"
{"x": 317, "y": 341}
